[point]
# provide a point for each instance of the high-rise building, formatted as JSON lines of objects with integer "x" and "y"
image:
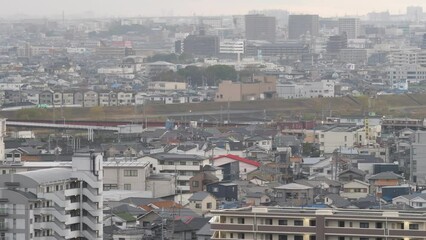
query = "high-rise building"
{"x": 299, "y": 25}
{"x": 316, "y": 224}
{"x": 414, "y": 13}
{"x": 337, "y": 43}
{"x": 55, "y": 203}
{"x": 350, "y": 26}
{"x": 417, "y": 156}
{"x": 201, "y": 45}
{"x": 260, "y": 27}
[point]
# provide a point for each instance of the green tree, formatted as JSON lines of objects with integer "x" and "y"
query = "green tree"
{"x": 217, "y": 73}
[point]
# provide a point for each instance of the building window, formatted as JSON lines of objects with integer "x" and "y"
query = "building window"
{"x": 195, "y": 163}
{"x": 379, "y": 225}
{"x": 130, "y": 173}
{"x": 282, "y": 222}
{"x": 198, "y": 205}
{"x": 341, "y": 238}
{"x": 364, "y": 225}
{"x": 413, "y": 226}
{"x": 241, "y": 220}
{"x": 127, "y": 186}
{"x": 312, "y": 223}
{"x": 195, "y": 184}
{"x": 298, "y": 237}
{"x": 282, "y": 237}
{"x": 269, "y": 236}
{"x": 241, "y": 235}
{"x": 298, "y": 222}
{"x": 268, "y": 221}
{"x": 341, "y": 223}
{"x": 209, "y": 205}
{"x": 182, "y": 163}
{"x": 312, "y": 237}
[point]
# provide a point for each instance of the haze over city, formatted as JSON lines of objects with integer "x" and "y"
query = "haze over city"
{"x": 326, "y": 8}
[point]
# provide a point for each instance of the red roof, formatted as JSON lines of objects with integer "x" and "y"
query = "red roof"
{"x": 237, "y": 158}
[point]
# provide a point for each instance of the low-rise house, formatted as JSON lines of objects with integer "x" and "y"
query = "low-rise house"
{"x": 227, "y": 191}
{"x": 294, "y": 194}
{"x": 257, "y": 198}
{"x": 202, "y": 202}
{"x": 352, "y": 174}
{"x": 242, "y": 167}
{"x": 415, "y": 200}
{"x": 336, "y": 201}
{"x": 355, "y": 189}
{"x": 90, "y": 99}
{"x": 384, "y": 179}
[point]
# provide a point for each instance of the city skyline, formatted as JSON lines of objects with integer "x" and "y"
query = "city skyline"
{"x": 127, "y": 8}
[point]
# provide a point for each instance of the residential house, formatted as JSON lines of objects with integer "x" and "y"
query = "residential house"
{"x": 78, "y": 99}
{"x": 184, "y": 165}
{"x": 415, "y": 200}
{"x": 352, "y": 174}
{"x": 227, "y": 191}
{"x": 90, "y": 99}
{"x": 336, "y": 201}
{"x": 199, "y": 181}
{"x": 294, "y": 194}
{"x": 257, "y": 198}
{"x": 355, "y": 189}
{"x": 235, "y": 166}
{"x": 68, "y": 98}
{"x": 46, "y": 97}
{"x": 384, "y": 179}
{"x": 202, "y": 202}
{"x": 125, "y": 98}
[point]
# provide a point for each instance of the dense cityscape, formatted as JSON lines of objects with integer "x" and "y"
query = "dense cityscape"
{"x": 268, "y": 125}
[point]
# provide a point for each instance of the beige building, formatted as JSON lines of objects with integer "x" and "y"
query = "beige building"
{"x": 262, "y": 87}
{"x": 202, "y": 202}
{"x": 339, "y": 137}
{"x": 160, "y": 86}
{"x": 355, "y": 189}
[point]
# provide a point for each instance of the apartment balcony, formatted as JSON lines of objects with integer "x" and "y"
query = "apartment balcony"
{"x": 4, "y": 226}
{"x": 91, "y": 195}
{"x": 72, "y": 206}
{"x": 180, "y": 167}
{"x": 4, "y": 212}
{"x": 72, "y": 192}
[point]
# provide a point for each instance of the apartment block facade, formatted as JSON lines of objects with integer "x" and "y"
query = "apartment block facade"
{"x": 55, "y": 203}
{"x": 317, "y": 224}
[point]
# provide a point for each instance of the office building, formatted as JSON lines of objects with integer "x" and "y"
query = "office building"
{"x": 260, "y": 27}
{"x": 55, "y": 203}
{"x": 414, "y": 13}
{"x": 299, "y": 25}
{"x": 317, "y": 224}
{"x": 201, "y": 45}
{"x": 350, "y": 26}
{"x": 290, "y": 50}
{"x": 337, "y": 43}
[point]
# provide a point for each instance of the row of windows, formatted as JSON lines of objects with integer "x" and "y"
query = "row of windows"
{"x": 194, "y": 163}
{"x": 411, "y": 226}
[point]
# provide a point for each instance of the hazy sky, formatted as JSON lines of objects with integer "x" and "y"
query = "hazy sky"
{"x": 199, "y": 7}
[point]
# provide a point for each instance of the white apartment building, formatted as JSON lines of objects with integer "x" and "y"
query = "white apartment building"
{"x": 55, "y": 203}
{"x": 160, "y": 86}
{"x": 350, "y": 26}
{"x": 184, "y": 166}
{"x": 155, "y": 68}
{"x": 129, "y": 175}
{"x": 408, "y": 57}
{"x": 339, "y": 137}
{"x": 412, "y": 73}
{"x": 229, "y": 46}
{"x": 323, "y": 88}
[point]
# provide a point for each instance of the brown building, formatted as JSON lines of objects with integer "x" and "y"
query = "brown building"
{"x": 261, "y": 87}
